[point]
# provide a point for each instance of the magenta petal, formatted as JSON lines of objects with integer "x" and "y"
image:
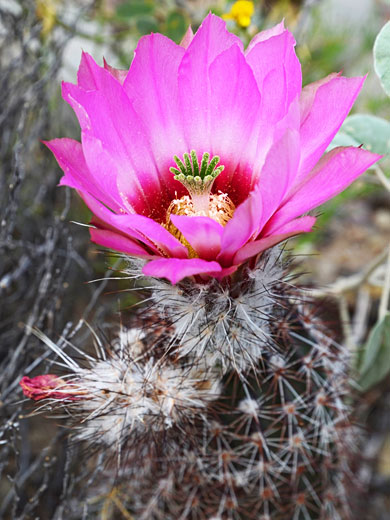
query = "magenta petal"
{"x": 276, "y": 55}
{"x": 203, "y": 233}
{"x": 301, "y": 225}
{"x": 333, "y": 100}
{"x": 334, "y": 172}
{"x": 278, "y": 172}
{"x": 119, "y": 74}
{"x": 187, "y": 38}
{"x": 234, "y": 112}
{"x": 309, "y": 92}
{"x": 274, "y": 95}
{"x": 117, "y": 242}
{"x": 244, "y": 225}
{"x": 122, "y": 134}
{"x": 115, "y": 124}
{"x": 266, "y": 35}
{"x": 154, "y": 232}
{"x": 70, "y": 95}
{"x": 152, "y": 87}
{"x": 139, "y": 228}
{"x": 278, "y": 75}
{"x": 210, "y": 40}
{"x": 130, "y": 192}
{"x": 175, "y": 270}
{"x": 105, "y": 219}
{"x": 88, "y": 73}
{"x": 91, "y": 76}
{"x": 70, "y": 157}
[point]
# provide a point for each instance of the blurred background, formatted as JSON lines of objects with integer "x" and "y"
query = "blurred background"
{"x": 52, "y": 277}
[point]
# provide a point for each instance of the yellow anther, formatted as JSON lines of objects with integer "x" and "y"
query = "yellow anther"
{"x": 220, "y": 209}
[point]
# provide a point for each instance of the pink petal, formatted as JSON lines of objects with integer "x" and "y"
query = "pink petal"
{"x": 152, "y": 87}
{"x": 301, "y": 225}
{"x": 152, "y": 231}
{"x": 277, "y": 71}
{"x": 70, "y": 157}
{"x": 187, "y": 38}
{"x": 203, "y": 233}
{"x": 117, "y": 242}
{"x": 279, "y": 79}
{"x": 107, "y": 114}
{"x": 234, "y": 112}
{"x": 50, "y": 386}
{"x": 118, "y": 74}
{"x": 70, "y": 95}
{"x": 334, "y": 172}
{"x": 131, "y": 192}
{"x": 333, "y": 100}
{"x": 308, "y": 95}
{"x": 274, "y": 95}
{"x": 244, "y": 225}
{"x": 88, "y": 72}
{"x": 266, "y": 35}
{"x": 175, "y": 270}
{"x": 278, "y": 171}
{"x": 210, "y": 40}
{"x": 90, "y": 75}
{"x": 139, "y": 228}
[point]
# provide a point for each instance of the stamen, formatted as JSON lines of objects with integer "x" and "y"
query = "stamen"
{"x": 221, "y": 209}
{"x": 197, "y": 180}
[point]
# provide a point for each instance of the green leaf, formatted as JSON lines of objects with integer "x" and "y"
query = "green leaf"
{"x": 147, "y": 25}
{"x": 375, "y": 359}
{"x": 382, "y": 57}
{"x": 342, "y": 139}
{"x": 176, "y": 26}
{"x": 133, "y": 8}
{"x": 371, "y": 131}
{"x": 362, "y": 129}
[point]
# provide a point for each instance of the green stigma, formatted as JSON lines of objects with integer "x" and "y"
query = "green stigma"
{"x": 197, "y": 179}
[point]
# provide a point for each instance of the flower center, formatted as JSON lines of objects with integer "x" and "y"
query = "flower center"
{"x": 198, "y": 180}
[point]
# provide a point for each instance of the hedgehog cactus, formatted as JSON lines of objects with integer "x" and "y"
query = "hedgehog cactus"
{"x": 250, "y": 422}
{"x": 274, "y": 443}
{"x": 225, "y": 400}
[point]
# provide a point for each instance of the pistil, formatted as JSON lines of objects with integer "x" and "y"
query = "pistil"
{"x": 197, "y": 179}
{"x": 200, "y": 202}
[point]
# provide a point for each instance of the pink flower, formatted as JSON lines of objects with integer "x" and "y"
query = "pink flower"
{"x": 49, "y": 386}
{"x": 261, "y": 137}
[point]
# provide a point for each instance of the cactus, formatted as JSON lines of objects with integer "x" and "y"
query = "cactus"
{"x": 224, "y": 399}
{"x": 228, "y": 404}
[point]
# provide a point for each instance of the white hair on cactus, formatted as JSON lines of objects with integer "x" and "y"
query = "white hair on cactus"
{"x": 249, "y": 406}
{"x": 270, "y": 445}
{"x": 131, "y": 391}
{"x": 229, "y": 322}
{"x": 124, "y": 397}
{"x": 132, "y": 339}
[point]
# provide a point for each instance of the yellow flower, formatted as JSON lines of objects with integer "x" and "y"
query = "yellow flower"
{"x": 241, "y": 12}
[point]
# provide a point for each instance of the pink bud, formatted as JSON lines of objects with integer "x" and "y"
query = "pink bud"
{"x": 49, "y": 385}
